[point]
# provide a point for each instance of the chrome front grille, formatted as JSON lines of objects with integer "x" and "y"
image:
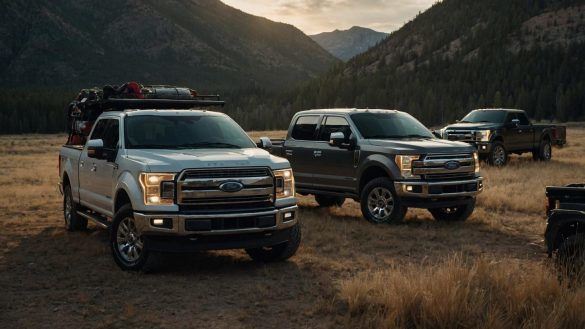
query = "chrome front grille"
{"x": 445, "y": 166}
{"x": 200, "y": 189}
{"x": 460, "y": 135}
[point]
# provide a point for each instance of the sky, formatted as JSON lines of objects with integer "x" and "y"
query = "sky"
{"x": 315, "y": 16}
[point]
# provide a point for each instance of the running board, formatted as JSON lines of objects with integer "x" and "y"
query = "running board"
{"x": 96, "y": 219}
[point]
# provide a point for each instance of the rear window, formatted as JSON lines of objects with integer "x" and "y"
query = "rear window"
{"x": 304, "y": 128}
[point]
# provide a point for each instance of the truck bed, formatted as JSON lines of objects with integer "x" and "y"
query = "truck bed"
{"x": 571, "y": 197}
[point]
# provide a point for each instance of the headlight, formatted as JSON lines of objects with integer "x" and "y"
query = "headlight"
{"x": 476, "y": 158}
{"x": 483, "y": 135}
{"x": 285, "y": 183}
{"x": 159, "y": 189}
{"x": 404, "y": 163}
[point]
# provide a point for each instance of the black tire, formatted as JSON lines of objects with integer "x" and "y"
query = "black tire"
{"x": 329, "y": 201}
{"x": 544, "y": 151}
{"x": 73, "y": 222}
{"x": 279, "y": 252}
{"x": 570, "y": 256}
{"x": 498, "y": 155}
{"x": 130, "y": 250}
{"x": 379, "y": 203}
{"x": 453, "y": 214}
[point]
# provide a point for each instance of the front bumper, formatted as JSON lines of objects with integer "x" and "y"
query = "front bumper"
{"x": 185, "y": 225}
{"x": 439, "y": 190}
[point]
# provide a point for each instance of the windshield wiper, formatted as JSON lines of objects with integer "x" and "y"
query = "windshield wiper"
{"x": 153, "y": 146}
{"x": 209, "y": 145}
{"x": 397, "y": 136}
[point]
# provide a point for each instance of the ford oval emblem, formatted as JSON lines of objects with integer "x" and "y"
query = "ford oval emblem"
{"x": 231, "y": 186}
{"x": 452, "y": 165}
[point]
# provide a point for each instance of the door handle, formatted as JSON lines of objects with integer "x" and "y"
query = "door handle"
{"x": 317, "y": 154}
{"x": 81, "y": 163}
{"x": 94, "y": 168}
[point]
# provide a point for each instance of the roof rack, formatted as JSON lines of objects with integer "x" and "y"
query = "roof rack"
{"x": 90, "y": 103}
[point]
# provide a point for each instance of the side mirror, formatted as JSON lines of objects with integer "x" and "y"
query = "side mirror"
{"x": 336, "y": 139}
{"x": 265, "y": 143}
{"x": 95, "y": 148}
{"x": 515, "y": 123}
{"x": 437, "y": 133}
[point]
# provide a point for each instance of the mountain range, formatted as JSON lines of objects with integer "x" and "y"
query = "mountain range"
{"x": 48, "y": 43}
{"x": 465, "y": 54}
{"x": 349, "y": 43}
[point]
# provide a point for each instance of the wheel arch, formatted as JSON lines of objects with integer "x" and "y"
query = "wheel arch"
{"x": 377, "y": 166}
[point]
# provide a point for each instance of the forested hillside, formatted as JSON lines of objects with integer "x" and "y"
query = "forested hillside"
{"x": 466, "y": 54}
{"x": 196, "y": 42}
{"x": 454, "y": 57}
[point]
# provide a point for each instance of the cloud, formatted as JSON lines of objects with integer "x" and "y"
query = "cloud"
{"x": 314, "y": 16}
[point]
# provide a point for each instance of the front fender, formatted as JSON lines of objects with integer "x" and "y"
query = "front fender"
{"x": 128, "y": 183}
{"x": 384, "y": 162}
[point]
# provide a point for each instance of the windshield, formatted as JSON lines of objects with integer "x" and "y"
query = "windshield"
{"x": 485, "y": 116}
{"x": 389, "y": 125}
{"x": 184, "y": 132}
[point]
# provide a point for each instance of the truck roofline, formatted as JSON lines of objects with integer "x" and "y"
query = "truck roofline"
{"x": 346, "y": 111}
{"x": 160, "y": 112}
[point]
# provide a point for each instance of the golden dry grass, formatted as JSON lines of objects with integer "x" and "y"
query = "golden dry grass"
{"x": 489, "y": 272}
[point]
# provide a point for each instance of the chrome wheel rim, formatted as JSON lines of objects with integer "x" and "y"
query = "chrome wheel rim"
{"x": 499, "y": 156}
{"x": 129, "y": 244}
{"x": 68, "y": 209}
{"x": 547, "y": 151}
{"x": 380, "y": 203}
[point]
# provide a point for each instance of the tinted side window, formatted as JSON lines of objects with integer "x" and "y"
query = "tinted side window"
{"x": 523, "y": 119}
{"x": 510, "y": 117}
{"x": 332, "y": 125}
{"x": 111, "y": 135}
{"x": 305, "y": 127}
{"x": 98, "y": 131}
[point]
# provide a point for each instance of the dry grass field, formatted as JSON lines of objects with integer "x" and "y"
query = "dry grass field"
{"x": 489, "y": 272}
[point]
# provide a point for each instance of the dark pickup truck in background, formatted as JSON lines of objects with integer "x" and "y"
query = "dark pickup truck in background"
{"x": 565, "y": 230}
{"x": 386, "y": 160}
{"x": 499, "y": 132}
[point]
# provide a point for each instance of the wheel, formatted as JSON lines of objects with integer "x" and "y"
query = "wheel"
{"x": 571, "y": 255}
{"x": 329, "y": 201}
{"x": 379, "y": 203}
{"x": 453, "y": 214}
{"x": 128, "y": 247}
{"x": 280, "y": 252}
{"x": 498, "y": 155}
{"x": 544, "y": 151}
{"x": 73, "y": 222}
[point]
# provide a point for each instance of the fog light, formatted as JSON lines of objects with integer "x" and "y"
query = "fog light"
{"x": 484, "y": 147}
{"x": 288, "y": 216}
{"x": 409, "y": 188}
{"x": 162, "y": 222}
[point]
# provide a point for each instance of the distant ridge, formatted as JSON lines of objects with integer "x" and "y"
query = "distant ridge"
{"x": 349, "y": 43}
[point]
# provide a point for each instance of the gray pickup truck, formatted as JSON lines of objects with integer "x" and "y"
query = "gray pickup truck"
{"x": 170, "y": 178}
{"x": 499, "y": 132}
{"x": 386, "y": 160}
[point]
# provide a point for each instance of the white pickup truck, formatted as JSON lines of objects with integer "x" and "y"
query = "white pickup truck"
{"x": 179, "y": 180}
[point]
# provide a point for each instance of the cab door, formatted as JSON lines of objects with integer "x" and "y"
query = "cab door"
{"x": 337, "y": 170}
{"x": 99, "y": 174}
{"x": 299, "y": 149}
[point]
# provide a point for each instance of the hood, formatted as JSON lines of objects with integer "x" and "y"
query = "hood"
{"x": 422, "y": 146}
{"x": 178, "y": 160}
{"x": 473, "y": 126}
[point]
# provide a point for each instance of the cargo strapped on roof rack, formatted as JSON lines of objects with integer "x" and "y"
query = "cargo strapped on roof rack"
{"x": 91, "y": 103}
